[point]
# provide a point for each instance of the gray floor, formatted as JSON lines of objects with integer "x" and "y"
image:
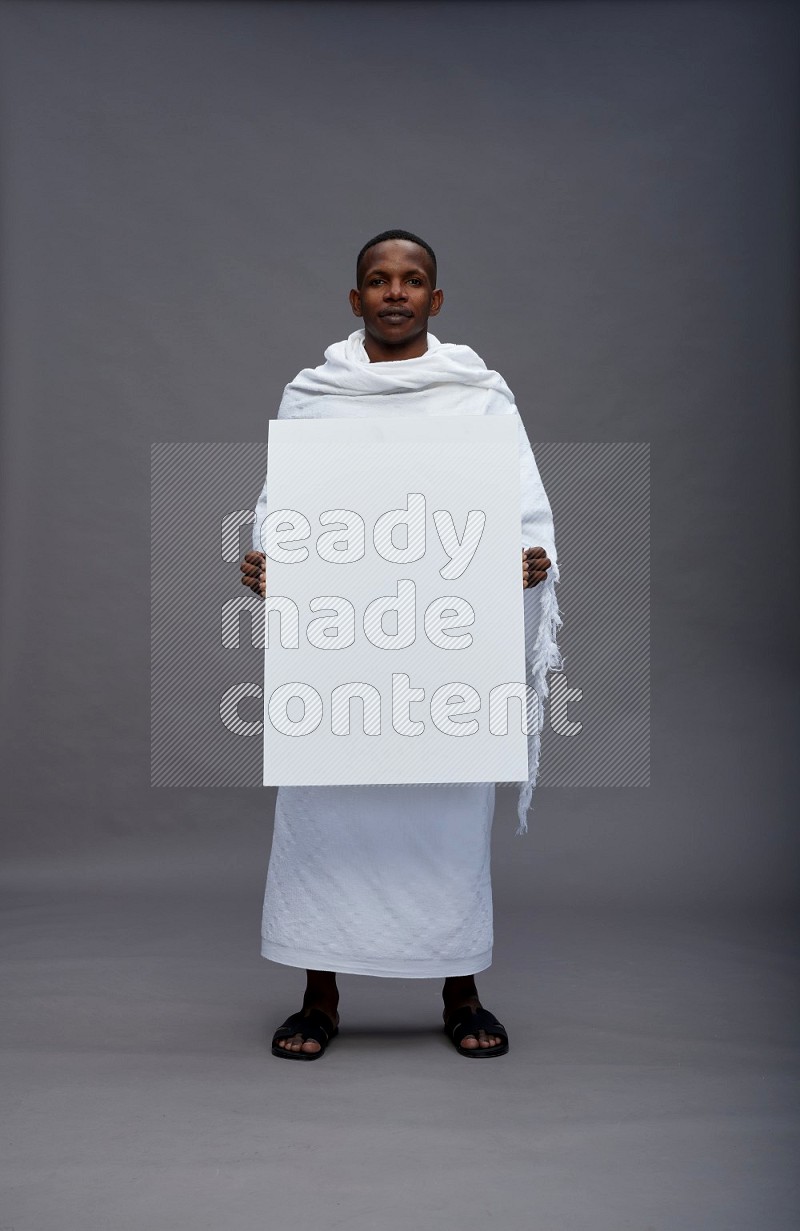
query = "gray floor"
{"x": 651, "y": 1082}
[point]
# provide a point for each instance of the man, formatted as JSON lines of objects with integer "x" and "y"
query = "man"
{"x": 390, "y": 881}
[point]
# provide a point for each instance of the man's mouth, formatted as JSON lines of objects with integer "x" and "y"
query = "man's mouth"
{"x": 395, "y": 312}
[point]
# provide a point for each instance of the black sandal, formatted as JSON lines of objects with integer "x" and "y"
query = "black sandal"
{"x": 314, "y": 1025}
{"x": 465, "y": 1021}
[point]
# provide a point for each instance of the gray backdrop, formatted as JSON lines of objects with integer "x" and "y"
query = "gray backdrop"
{"x": 611, "y": 190}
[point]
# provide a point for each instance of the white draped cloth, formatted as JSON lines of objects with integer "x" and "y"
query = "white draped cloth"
{"x": 395, "y": 880}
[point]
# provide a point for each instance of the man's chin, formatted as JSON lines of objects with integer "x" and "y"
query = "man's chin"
{"x": 396, "y": 335}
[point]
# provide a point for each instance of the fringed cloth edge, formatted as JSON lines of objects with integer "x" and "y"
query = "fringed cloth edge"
{"x": 542, "y": 622}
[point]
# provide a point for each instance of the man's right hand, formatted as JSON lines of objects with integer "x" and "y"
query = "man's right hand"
{"x": 254, "y": 573}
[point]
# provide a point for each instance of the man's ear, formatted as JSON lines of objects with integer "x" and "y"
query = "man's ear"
{"x": 355, "y": 302}
{"x": 437, "y": 299}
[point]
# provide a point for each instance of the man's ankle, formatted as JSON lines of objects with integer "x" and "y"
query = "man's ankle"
{"x": 326, "y": 993}
{"x": 459, "y": 989}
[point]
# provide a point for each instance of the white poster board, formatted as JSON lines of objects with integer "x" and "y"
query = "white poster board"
{"x": 394, "y": 621}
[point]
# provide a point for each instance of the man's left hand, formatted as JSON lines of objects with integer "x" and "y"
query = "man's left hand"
{"x": 534, "y": 566}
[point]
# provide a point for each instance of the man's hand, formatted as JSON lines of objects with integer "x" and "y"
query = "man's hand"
{"x": 534, "y": 566}
{"x": 254, "y": 572}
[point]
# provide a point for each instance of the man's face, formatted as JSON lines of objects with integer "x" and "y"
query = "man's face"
{"x": 396, "y": 295}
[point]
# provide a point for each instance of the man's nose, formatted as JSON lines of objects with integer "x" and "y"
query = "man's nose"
{"x": 395, "y": 290}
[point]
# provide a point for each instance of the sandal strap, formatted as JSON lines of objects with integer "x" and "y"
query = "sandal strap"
{"x": 466, "y": 1021}
{"x": 314, "y": 1025}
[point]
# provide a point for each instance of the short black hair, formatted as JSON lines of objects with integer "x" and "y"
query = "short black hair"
{"x": 378, "y": 239}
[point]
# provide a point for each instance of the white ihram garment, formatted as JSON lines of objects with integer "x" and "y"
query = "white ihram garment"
{"x": 395, "y": 880}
